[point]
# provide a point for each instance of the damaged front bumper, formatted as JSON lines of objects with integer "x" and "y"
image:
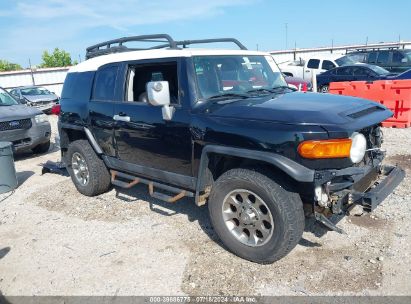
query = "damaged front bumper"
{"x": 367, "y": 186}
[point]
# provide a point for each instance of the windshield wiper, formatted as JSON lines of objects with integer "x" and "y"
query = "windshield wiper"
{"x": 268, "y": 90}
{"x": 281, "y": 88}
{"x": 260, "y": 90}
{"x": 228, "y": 96}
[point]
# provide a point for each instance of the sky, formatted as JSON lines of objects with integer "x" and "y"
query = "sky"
{"x": 28, "y": 27}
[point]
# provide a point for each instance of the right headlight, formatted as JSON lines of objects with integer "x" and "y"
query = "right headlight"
{"x": 358, "y": 147}
{"x": 40, "y": 118}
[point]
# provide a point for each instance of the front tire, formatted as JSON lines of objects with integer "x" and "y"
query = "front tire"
{"x": 88, "y": 172}
{"x": 256, "y": 217}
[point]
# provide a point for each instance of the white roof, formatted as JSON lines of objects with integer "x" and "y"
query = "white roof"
{"x": 94, "y": 63}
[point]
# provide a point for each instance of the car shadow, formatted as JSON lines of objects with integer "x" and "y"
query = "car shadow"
{"x": 3, "y": 299}
{"x": 184, "y": 206}
{"x": 28, "y": 154}
{"x": 22, "y": 176}
{"x": 200, "y": 214}
{"x": 4, "y": 251}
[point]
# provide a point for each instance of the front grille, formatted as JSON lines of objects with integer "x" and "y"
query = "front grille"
{"x": 20, "y": 124}
{"x": 42, "y": 102}
{"x": 22, "y": 142}
{"x": 374, "y": 138}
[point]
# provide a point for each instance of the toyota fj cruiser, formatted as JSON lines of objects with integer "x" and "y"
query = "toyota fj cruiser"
{"x": 222, "y": 127}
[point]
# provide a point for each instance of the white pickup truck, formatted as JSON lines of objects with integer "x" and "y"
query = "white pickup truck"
{"x": 313, "y": 66}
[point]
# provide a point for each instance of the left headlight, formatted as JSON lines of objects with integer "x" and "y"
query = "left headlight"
{"x": 358, "y": 147}
{"x": 40, "y": 118}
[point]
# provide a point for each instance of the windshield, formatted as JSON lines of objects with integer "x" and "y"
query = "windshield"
{"x": 34, "y": 91}
{"x": 344, "y": 61}
{"x": 235, "y": 74}
{"x": 6, "y": 99}
{"x": 378, "y": 70}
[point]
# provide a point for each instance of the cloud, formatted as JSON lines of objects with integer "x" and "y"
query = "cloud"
{"x": 44, "y": 24}
{"x": 121, "y": 14}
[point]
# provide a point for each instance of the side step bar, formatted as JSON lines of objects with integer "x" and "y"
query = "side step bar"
{"x": 133, "y": 180}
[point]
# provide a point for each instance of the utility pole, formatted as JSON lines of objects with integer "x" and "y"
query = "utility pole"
{"x": 31, "y": 73}
{"x": 295, "y": 50}
{"x": 257, "y": 46}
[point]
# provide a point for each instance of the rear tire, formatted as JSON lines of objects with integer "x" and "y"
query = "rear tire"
{"x": 268, "y": 198}
{"x": 88, "y": 172}
{"x": 42, "y": 148}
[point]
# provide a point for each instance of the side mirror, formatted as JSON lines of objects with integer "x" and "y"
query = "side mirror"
{"x": 158, "y": 94}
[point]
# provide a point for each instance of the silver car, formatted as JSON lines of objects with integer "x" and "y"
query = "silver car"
{"x": 26, "y": 127}
{"x": 37, "y": 97}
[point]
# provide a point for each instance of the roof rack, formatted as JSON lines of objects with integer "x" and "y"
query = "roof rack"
{"x": 366, "y": 49}
{"x": 184, "y": 43}
{"x": 116, "y": 45}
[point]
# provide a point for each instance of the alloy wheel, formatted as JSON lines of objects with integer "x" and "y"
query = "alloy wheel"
{"x": 247, "y": 217}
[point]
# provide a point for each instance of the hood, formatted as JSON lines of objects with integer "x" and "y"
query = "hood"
{"x": 304, "y": 109}
{"x": 15, "y": 112}
{"x": 37, "y": 98}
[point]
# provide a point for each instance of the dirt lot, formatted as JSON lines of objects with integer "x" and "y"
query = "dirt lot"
{"x": 54, "y": 241}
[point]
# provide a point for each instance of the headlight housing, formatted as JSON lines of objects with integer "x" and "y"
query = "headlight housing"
{"x": 353, "y": 148}
{"x": 358, "y": 147}
{"x": 40, "y": 118}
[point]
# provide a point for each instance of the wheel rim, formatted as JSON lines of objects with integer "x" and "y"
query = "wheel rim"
{"x": 247, "y": 217}
{"x": 324, "y": 89}
{"x": 80, "y": 168}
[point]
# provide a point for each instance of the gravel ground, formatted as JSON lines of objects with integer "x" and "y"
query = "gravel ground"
{"x": 54, "y": 241}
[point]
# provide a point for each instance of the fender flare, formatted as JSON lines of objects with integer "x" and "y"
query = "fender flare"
{"x": 86, "y": 131}
{"x": 288, "y": 166}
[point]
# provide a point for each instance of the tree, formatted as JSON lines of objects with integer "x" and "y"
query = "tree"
{"x": 9, "y": 66}
{"x": 59, "y": 58}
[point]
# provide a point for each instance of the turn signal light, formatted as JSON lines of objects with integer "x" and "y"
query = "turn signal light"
{"x": 330, "y": 148}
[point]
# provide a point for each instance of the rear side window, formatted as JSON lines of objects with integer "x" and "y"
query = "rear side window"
{"x": 372, "y": 57}
{"x": 327, "y": 65}
{"x": 105, "y": 82}
{"x": 344, "y": 71}
{"x": 360, "y": 71}
{"x": 383, "y": 57}
{"x": 313, "y": 64}
{"x": 398, "y": 57}
{"x": 78, "y": 86}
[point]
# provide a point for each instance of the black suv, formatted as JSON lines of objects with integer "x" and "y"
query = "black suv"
{"x": 393, "y": 60}
{"x": 222, "y": 127}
